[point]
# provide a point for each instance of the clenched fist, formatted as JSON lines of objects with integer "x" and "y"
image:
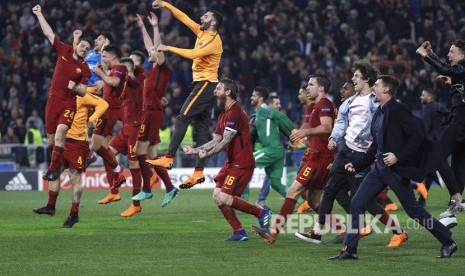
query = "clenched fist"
{"x": 37, "y": 9}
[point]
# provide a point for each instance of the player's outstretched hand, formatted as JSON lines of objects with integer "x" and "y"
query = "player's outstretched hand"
{"x": 77, "y": 34}
{"x": 161, "y": 48}
{"x": 139, "y": 21}
{"x": 189, "y": 150}
{"x": 153, "y": 19}
{"x": 37, "y": 9}
{"x": 445, "y": 79}
{"x": 156, "y": 4}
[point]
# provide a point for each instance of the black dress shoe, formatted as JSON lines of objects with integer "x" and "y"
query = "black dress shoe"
{"x": 344, "y": 255}
{"x": 448, "y": 250}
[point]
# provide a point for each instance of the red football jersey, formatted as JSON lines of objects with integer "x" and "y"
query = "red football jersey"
{"x": 67, "y": 68}
{"x": 308, "y": 112}
{"x": 239, "y": 151}
{"x": 132, "y": 102}
{"x": 155, "y": 86}
{"x": 112, "y": 94}
{"x": 319, "y": 143}
{"x": 139, "y": 73}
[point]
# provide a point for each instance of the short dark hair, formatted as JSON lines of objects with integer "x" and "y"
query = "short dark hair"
{"x": 304, "y": 85}
{"x": 109, "y": 36}
{"x": 90, "y": 41}
{"x": 349, "y": 82}
{"x": 218, "y": 18}
{"x": 271, "y": 99}
{"x": 391, "y": 82}
{"x": 431, "y": 92}
{"x": 140, "y": 55}
{"x": 322, "y": 80}
{"x": 262, "y": 91}
{"x": 112, "y": 49}
{"x": 230, "y": 85}
{"x": 368, "y": 71}
{"x": 459, "y": 43}
{"x": 127, "y": 60}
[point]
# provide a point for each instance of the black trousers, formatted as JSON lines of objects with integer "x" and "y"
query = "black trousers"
{"x": 197, "y": 110}
{"x": 340, "y": 183}
{"x": 378, "y": 179}
{"x": 452, "y": 143}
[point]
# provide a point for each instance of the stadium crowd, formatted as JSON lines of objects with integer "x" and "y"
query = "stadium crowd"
{"x": 276, "y": 44}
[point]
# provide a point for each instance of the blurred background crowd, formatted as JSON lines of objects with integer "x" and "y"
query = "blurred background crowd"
{"x": 276, "y": 44}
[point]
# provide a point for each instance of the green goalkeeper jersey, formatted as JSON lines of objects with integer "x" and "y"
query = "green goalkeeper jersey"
{"x": 269, "y": 124}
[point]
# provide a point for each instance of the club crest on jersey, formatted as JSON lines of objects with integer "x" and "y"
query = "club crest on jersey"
{"x": 78, "y": 71}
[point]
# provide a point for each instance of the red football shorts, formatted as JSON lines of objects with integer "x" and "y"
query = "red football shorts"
{"x": 125, "y": 141}
{"x": 58, "y": 111}
{"x": 313, "y": 174}
{"x": 233, "y": 181}
{"x": 107, "y": 121}
{"x": 150, "y": 127}
{"x": 75, "y": 154}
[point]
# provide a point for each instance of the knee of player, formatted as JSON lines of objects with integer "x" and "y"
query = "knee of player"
{"x": 293, "y": 191}
{"x": 216, "y": 199}
{"x": 226, "y": 199}
{"x": 133, "y": 164}
{"x": 181, "y": 118}
{"x": 357, "y": 205}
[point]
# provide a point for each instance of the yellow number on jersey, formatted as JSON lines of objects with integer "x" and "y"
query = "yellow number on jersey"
{"x": 229, "y": 180}
{"x": 79, "y": 161}
{"x": 307, "y": 171}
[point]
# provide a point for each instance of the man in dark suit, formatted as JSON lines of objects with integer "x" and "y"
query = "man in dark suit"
{"x": 435, "y": 117}
{"x": 397, "y": 153}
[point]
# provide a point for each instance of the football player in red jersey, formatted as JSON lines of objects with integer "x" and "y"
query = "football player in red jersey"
{"x": 313, "y": 174}
{"x": 232, "y": 135}
{"x": 113, "y": 91}
{"x": 70, "y": 78}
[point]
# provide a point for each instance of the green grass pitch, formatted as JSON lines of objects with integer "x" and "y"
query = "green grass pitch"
{"x": 186, "y": 238}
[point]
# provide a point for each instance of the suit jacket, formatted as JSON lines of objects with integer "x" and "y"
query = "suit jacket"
{"x": 403, "y": 136}
{"x": 435, "y": 117}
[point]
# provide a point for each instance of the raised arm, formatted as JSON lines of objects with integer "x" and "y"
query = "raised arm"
{"x": 153, "y": 20}
{"x": 211, "y": 48}
{"x": 179, "y": 15}
{"x": 46, "y": 29}
{"x": 145, "y": 35}
{"x": 76, "y": 35}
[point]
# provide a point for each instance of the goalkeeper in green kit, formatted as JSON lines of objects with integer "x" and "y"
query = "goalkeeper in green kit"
{"x": 269, "y": 123}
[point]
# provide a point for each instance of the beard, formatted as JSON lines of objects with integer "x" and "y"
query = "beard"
{"x": 205, "y": 25}
{"x": 221, "y": 102}
{"x": 81, "y": 56}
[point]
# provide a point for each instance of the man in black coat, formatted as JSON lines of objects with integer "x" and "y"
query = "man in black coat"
{"x": 435, "y": 117}
{"x": 397, "y": 155}
{"x": 452, "y": 141}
